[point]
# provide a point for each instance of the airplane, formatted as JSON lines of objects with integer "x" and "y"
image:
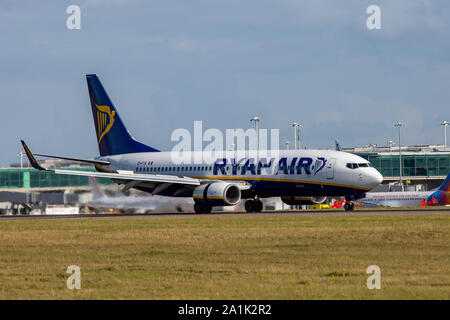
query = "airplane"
{"x": 311, "y": 175}
{"x": 134, "y": 203}
{"x": 439, "y": 196}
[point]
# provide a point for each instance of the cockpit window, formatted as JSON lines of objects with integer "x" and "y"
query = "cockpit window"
{"x": 358, "y": 165}
{"x": 363, "y": 165}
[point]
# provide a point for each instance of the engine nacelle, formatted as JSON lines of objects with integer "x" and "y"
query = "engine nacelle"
{"x": 298, "y": 201}
{"x": 218, "y": 193}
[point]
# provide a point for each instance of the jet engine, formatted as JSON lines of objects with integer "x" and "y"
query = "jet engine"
{"x": 218, "y": 193}
{"x": 298, "y": 201}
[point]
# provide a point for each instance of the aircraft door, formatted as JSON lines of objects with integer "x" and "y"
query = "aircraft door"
{"x": 330, "y": 168}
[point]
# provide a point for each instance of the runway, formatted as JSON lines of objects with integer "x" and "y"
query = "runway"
{"x": 302, "y": 213}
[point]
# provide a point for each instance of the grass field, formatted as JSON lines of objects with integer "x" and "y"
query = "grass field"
{"x": 231, "y": 257}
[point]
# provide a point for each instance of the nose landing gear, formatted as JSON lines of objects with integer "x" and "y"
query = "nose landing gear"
{"x": 349, "y": 206}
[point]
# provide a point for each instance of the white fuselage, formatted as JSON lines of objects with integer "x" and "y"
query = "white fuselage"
{"x": 289, "y": 172}
{"x": 396, "y": 199}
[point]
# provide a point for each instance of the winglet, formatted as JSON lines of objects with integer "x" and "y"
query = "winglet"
{"x": 31, "y": 158}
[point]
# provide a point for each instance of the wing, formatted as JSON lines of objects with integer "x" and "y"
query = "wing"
{"x": 155, "y": 184}
{"x": 133, "y": 180}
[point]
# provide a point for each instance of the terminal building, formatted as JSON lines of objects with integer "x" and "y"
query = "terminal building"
{"x": 423, "y": 167}
{"x": 29, "y": 178}
{"x": 23, "y": 189}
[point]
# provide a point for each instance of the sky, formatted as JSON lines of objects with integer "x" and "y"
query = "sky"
{"x": 168, "y": 63}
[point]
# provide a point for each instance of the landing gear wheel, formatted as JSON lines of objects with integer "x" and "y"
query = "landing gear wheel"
{"x": 249, "y": 205}
{"x": 253, "y": 206}
{"x": 257, "y": 205}
{"x": 198, "y": 208}
{"x": 349, "y": 206}
{"x": 207, "y": 208}
{"x": 202, "y": 208}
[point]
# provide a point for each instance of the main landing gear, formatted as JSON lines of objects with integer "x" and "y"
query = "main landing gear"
{"x": 349, "y": 206}
{"x": 202, "y": 207}
{"x": 253, "y": 205}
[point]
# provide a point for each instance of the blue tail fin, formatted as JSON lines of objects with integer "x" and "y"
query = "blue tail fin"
{"x": 445, "y": 185}
{"x": 112, "y": 136}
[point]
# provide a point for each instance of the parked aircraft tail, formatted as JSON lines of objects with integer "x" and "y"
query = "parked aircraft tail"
{"x": 96, "y": 190}
{"x": 441, "y": 196}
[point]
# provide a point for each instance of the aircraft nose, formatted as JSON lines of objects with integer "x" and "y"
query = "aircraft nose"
{"x": 375, "y": 178}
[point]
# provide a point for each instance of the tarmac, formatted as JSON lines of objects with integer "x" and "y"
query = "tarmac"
{"x": 300, "y": 213}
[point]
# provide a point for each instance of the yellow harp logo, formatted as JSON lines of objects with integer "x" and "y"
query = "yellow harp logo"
{"x": 105, "y": 120}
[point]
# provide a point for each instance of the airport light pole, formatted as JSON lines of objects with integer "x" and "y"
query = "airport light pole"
{"x": 399, "y": 125}
{"x": 296, "y": 127}
{"x": 445, "y": 123}
{"x": 256, "y": 120}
